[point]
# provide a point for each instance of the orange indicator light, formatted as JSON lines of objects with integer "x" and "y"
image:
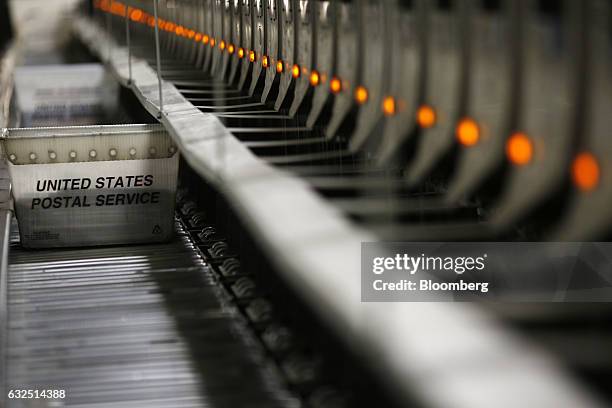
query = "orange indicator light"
{"x": 314, "y": 78}
{"x": 468, "y": 132}
{"x": 361, "y": 95}
{"x": 519, "y": 149}
{"x": 585, "y": 172}
{"x": 136, "y": 15}
{"x": 295, "y": 71}
{"x": 335, "y": 85}
{"x": 389, "y": 106}
{"x": 426, "y": 117}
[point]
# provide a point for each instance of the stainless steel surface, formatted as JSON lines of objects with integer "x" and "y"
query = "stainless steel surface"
{"x": 137, "y": 325}
{"x": 5, "y": 222}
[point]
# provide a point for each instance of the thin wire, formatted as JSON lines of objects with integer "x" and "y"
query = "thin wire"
{"x": 127, "y": 39}
{"x": 109, "y": 31}
{"x": 158, "y": 57}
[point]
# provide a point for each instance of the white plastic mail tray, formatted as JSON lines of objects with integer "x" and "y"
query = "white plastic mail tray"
{"x": 62, "y": 95}
{"x": 92, "y": 185}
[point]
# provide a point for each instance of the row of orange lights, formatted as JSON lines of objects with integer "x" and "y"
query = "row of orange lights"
{"x": 519, "y": 146}
{"x": 137, "y": 15}
{"x": 585, "y": 169}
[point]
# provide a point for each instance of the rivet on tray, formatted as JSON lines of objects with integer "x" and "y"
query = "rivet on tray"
{"x": 112, "y": 152}
{"x": 152, "y": 151}
{"x": 12, "y": 157}
{"x": 52, "y": 155}
{"x": 171, "y": 149}
{"x": 72, "y": 154}
{"x": 33, "y": 156}
{"x": 93, "y": 154}
{"x": 132, "y": 152}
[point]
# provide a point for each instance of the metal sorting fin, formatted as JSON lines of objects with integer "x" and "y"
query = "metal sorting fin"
{"x": 286, "y": 52}
{"x": 550, "y": 97}
{"x": 490, "y": 93}
{"x": 347, "y": 67}
{"x": 445, "y": 67}
{"x": 303, "y": 53}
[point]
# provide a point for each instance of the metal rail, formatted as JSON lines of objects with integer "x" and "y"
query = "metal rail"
{"x": 5, "y": 222}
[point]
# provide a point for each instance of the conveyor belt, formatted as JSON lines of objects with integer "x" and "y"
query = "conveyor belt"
{"x": 130, "y": 326}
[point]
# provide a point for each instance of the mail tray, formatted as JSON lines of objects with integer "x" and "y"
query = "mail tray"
{"x": 92, "y": 185}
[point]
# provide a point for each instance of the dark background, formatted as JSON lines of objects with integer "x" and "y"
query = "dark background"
{"x": 6, "y": 29}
